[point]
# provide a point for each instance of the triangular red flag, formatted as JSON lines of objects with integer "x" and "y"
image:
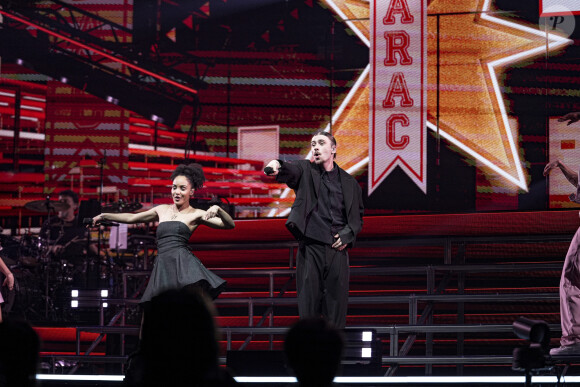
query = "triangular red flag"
{"x": 171, "y": 35}
{"x": 205, "y": 8}
{"x": 188, "y": 22}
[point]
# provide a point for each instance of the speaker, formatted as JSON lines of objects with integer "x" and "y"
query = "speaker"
{"x": 257, "y": 363}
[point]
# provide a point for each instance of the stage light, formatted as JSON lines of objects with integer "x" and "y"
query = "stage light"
{"x": 367, "y": 336}
{"x": 112, "y": 100}
{"x": 362, "y": 352}
{"x": 26, "y": 118}
{"x": 63, "y": 79}
{"x": 366, "y": 352}
{"x": 90, "y": 298}
{"x": 373, "y": 380}
{"x": 533, "y": 356}
{"x": 19, "y": 62}
{"x": 90, "y": 303}
{"x": 535, "y": 331}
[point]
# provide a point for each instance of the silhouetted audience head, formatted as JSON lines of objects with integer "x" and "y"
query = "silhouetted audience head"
{"x": 179, "y": 345}
{"x": 313, "y": 350}
{"x": 19, "y": 346}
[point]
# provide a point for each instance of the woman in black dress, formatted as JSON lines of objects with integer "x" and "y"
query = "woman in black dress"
{"x": 176, "y": 267}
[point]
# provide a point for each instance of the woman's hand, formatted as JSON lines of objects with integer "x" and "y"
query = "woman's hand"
{"x": 9, "y": 281}
{"x": 211, "y": 212}
{"x": 570, "y": 117}
{"x": 97, "y": 219}
{"x": 550, "y": 166}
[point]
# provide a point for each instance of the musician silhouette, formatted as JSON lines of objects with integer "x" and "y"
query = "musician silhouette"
{"x": 66, "y": 243}
{"x": 62, "y": 231}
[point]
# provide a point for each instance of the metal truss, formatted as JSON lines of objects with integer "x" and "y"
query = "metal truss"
{"x": 81, "y": 35}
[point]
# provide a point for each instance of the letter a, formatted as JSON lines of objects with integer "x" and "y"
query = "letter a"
{"x": 398, "y": 7}
{"x": 398, "y": 87}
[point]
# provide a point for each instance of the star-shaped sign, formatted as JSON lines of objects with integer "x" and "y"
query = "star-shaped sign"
{"x": 475, "y": 46}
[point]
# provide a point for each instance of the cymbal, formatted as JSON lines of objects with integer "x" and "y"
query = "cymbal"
{"x": 46, "y": 206}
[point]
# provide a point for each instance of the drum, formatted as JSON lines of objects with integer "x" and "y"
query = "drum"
{"x": 66, "y": 271}
{"x": 31, "y": 250}
{"x": 26, "y": 291}
{"x": 9, "y": 250}
{"x": 74, "y": 252}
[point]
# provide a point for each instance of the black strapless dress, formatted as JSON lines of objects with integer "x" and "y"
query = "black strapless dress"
{"x": 176, "y": 266}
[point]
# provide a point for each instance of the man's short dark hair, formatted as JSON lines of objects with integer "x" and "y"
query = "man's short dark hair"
{"x": 70, "y": 194}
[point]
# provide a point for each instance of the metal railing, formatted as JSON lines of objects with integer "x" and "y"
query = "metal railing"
{"x": 413, "y": 301}
{"x": 393, "y": 332}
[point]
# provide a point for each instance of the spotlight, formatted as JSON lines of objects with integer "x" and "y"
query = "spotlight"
{"x": 63, "y": 79}
{"x": 156, "y": 118}
{"x": 367, "y": 336}
{"x": 533, "y": 356}
{"x": 366, "y": 352}
{"x": 112, "y": 100}
{"x": 19, "y": 62}
{"x": 535, "y": 331}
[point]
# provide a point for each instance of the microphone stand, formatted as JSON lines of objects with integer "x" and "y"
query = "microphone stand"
{"x": 102, "y": 164}
{"x": 47, "y": 257}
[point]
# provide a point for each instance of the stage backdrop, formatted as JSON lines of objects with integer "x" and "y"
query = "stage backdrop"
{"x": 437, "y": 106}
{"x": 83, "y": 132}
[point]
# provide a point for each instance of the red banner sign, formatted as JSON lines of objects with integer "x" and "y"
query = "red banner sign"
{"x": 398, "y": 91}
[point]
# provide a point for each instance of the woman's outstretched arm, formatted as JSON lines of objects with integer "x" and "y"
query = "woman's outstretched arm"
{"x": 569, "y": 174}
{"x": 140, "y": 217}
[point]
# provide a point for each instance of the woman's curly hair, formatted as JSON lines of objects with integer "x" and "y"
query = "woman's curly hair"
{"x": 192, "y": 172}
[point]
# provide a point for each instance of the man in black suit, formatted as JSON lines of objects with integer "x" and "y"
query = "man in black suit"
{"x": 326, "y": 217}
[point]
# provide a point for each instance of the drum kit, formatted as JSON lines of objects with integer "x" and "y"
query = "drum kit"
{"x": 42, "y": 267}
{"x": 46, "y": 268}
